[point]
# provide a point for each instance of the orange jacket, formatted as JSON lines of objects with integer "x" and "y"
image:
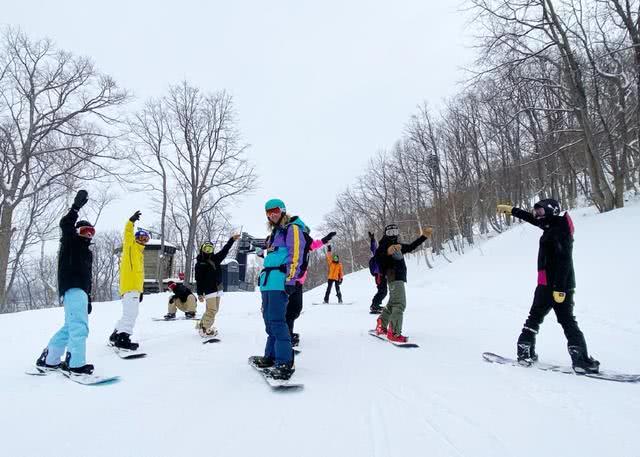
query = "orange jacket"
{"x": 335, "y": 268}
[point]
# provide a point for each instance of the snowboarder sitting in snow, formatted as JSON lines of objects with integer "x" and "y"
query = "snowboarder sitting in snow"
{"x": 209, "y": 283}
{"x": 381, "y": 280}
{"x": 556, "y": 284}
{"x": 334, "y": 275}
{"x": 182, "y": 299}
{"x": 75, "y": 261}
{"x": 390, "y": 259}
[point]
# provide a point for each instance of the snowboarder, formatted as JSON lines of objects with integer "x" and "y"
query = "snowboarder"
{"x": 131, "y": 283}
{"x": 75, "y": 261}
{"x": 294, "y": 307}
{"x": 335, "y": 275}
{"x": 556, "y": 284}
{"x": 182, "y": 299}
{"x": 390, "y": 259}
{"x": 209, "y": 283}
{"x": 381, "y": 280}
{"x": 282, "y": 264}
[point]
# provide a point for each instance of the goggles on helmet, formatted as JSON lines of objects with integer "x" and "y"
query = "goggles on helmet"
{"x": 86, "y": 231}
{"x": 392, "y": 232}
{"x": 274, "y": 212}
{"x": 142, "y": 236}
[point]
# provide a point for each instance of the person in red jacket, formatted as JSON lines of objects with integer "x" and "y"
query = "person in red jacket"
{"x": 334, "y": 275}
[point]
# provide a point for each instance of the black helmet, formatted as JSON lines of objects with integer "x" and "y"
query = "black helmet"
{"x": 549, "y": 206}
{"x": 83, "y": 223}
{"x": 391, "y": 230}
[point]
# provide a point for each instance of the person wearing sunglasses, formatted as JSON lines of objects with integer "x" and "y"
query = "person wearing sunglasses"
{"x": 209, "y": 283}
{"x": 390, "y": 259}
{"x": 131, "y": 283}
{"x": 335, "y": 274}
{"x": 75, "y": 261}
{"x": 282, "y": 267}
{"x": 556, "y": 284}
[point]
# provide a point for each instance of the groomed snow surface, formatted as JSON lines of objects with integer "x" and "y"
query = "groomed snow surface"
{"x": 362, "y": 396}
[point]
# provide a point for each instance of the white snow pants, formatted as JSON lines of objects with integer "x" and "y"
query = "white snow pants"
{"x": 130, "y": 307}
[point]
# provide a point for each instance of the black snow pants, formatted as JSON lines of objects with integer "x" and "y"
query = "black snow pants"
{"x": 381, "y": 283}
{"x": 330, "y": 282}
{"x": 543, "y": 302}
{"x": 294, "y": 307}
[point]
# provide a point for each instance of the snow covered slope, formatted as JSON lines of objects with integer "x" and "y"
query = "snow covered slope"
{"x": 362, "y": 397}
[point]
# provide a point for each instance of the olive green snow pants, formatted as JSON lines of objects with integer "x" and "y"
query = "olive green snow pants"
{"x": 394, "y": 310}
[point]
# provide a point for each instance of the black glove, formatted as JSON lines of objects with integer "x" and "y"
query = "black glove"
{"x": 340, "y": 282}
{"x": 89, "y": 307}
{"x": 171, "y": 299}
{"x": 141, "y": 297}
{"x": 135, "y": 217}
{"x": 329, "y": 248}
{"x": 82, "y": 197}
{"x": 327, "y": 238}
{"x": 371, "y": 236}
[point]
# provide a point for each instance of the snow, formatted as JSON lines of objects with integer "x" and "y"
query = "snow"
{"x": 362, "y": 396}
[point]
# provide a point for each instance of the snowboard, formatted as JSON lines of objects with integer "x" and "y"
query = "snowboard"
{"x": 210, "y": 340}
{"x": 603, "y": 374}
{"x": 181, "y": 318}
{"x": 333, "y": 303}
{"x": 128, "y": 354}
{"x": 85, "y": 379}
{"x": 277, "y": 384}
{"x": 395, "y": 343}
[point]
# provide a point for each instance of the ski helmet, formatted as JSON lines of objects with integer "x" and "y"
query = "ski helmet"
{"x": 142, "y": 236}
{"x": 392, "y": 230}
{"x": 546, "y": 208}
{"x": 336, "y": 258}
{"x": 275, "y": 203}
{"x": 171, "y": 285}
{"x": 207, "y": 247}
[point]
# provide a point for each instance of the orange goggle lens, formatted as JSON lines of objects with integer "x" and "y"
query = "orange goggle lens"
{"x": 274, "y": 212}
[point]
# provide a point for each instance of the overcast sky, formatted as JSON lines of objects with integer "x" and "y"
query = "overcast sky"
{"x": 319, "y": 86}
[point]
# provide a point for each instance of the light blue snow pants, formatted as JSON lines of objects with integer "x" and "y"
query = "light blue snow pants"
{"x": 74, "y": 332}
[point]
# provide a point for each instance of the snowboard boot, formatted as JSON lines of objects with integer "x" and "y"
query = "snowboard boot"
{"x": 190, "y": 314}
{"x": 527, "y": 354}
{"x": 113, "y": 338}
{"x": 123, "y": 341}
{"x": 375, "y": 309}
{"x": 75, "y": 371}
{"x": 281, "y": 372}
{"x": 380, "y": 329}
{"x": 325, "y": 302}
{"x": 340, "y": 300}
{"x": 582, "y": 363}
{"x": 169, "y": 316}
{"x": 395, "y": 337}
{"x": 42, "y": 362}
{"x": 295, "y": 339}
{"x": 262, "y": 362}
{"x": 207, "y": 332}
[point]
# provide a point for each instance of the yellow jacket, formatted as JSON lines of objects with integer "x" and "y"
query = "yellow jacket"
{"x": 335, "y": 269}
{"x": 131, "y": 263}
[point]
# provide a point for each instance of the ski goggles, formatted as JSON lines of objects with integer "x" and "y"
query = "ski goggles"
{"x": 142, "y": 238}
{"x": 207, "y": 248}
{"x": 539, "y": 212}
{"x": 392, "y": 232}
{"x": 86, "y": 231}
{"x": 274, "y": 212}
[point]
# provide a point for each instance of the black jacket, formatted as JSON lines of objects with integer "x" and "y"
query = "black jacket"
{"x": 208, "y": 271}
{"x": 180, "y": 292}
{"x": 394, "y": 269}
{"x": 75, "y": 259}
{"x": 555, "y": 253}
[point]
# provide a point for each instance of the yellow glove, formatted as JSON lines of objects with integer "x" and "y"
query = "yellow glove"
{"x": 558, "y": 297}
{"x": 506, "y": 209}
{"x": 427, "y": 232}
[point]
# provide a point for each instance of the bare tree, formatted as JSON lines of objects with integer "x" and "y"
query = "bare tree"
{"x": 53, "y": 107}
